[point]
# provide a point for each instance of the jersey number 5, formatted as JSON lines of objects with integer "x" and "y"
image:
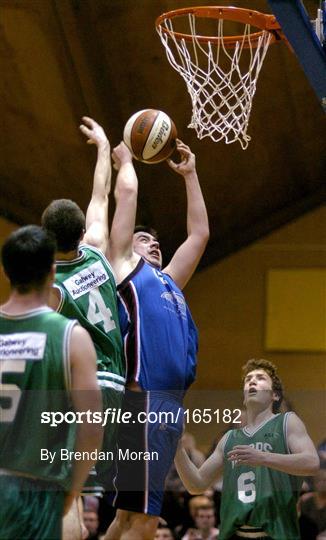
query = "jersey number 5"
{"x": 98, "y": 312}
{"x": 246, "y": 487}
{"x": 10, "y": 391}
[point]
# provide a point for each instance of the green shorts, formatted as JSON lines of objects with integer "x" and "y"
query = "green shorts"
{"x": 101, "y": 476}
{"x": 30, "y": 509}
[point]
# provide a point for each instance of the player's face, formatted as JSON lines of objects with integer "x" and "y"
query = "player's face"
{"x": 258, "y": 388}
{"x": 146, "y": 245}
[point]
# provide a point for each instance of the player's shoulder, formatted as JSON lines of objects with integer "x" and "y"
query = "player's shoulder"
{"x": 293, "y": 423}
{"x": 127, "y": 269}
{"x": 58, "y": 318}
{"x": 226, "y": 437}
{"x": 95, "y": 253}
{"x": 85, "y": 248}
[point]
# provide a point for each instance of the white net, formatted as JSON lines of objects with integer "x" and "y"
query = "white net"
{"x": 221, "y": 81}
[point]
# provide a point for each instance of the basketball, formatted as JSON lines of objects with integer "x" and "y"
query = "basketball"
{"x": 150, "y": 135}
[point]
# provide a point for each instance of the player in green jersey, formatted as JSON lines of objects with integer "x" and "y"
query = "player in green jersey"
{"x": 261, "y": 463}
{"x": 47, "y": 363}
{"x": 85, "y": 286}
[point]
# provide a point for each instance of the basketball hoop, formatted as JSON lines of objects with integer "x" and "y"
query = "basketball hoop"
{"x": 220, "y": 71}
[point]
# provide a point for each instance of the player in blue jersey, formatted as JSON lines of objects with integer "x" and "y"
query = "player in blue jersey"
{"x": 160, "y": 342}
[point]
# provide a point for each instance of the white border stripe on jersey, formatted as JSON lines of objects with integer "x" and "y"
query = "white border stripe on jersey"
{"x": 285, "y": 430}
{"x": 146, "y": 490}
{"x": 108, "y": 374}
{"x": 27, "y": 314}
{"x": 138, "y": 330}
{"x": 111, "y": 384}
{"x": 69, "y": 262}
{"x": 62, "y": 297}
{"x": 125, "y": 352}
{"x": 254, "y": 431}
{"x": 66, "y": 353}
{"x": 124, "y": 306}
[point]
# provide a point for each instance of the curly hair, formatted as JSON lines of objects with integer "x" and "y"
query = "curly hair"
{"x": 271, "y": 370}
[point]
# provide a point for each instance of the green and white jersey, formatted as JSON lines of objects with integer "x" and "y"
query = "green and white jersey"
{"x": 259, "y": 497}
{"x": 88, "y": 294}
{"x": 35, "y": 378}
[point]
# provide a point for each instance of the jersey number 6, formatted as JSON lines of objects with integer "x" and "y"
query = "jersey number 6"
{"x": 246, "y": 487}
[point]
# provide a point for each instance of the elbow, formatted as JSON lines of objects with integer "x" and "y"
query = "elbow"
{"x": 312, "y": 466}
{"x": 205, "y": 235}
{"x": 197, "y": 488}
{"x": 196, "y": 491}
{"x": 315, "y": 466}
{"x": 124, "y": 190}
{"x": 202, "y": 238}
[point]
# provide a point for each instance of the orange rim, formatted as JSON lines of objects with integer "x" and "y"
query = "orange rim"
{"x": 260, "y": 20}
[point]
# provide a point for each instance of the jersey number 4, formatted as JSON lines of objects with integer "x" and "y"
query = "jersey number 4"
{"x": 98, "y": 312}
{"x": 10, "y": 392}
{"x": 246, "y": 487}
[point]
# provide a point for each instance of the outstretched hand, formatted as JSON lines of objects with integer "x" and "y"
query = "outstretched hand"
{"x": 120, "y": 155}
{"x": 94, "y": 132}
{"x": 188, "y": 160}
{"x": 242, "y": 454}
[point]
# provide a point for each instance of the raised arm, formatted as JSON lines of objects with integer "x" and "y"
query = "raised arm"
{"x": 123, "y": 224}
{"x": 302, "y": 461}
{"x": 187, "y": 256}
{"x": 97, "y": 227}
{"x": 86, "y": 396}
{"x": 197, "y": 480}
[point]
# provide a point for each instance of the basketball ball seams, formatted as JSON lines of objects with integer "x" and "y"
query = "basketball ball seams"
{"x": 161, "y": 128}
{"x": 157, "y": 156}
{"x": 150, "y": 134}
{"x": 138, "y": 138}
{"x": 152, "y": 122}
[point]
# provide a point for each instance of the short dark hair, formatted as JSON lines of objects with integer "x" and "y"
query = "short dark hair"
{"x": 271, "y": 370}
{"x": 146, "y": 229}
{"x": 66, "y": 221}
{"x": 27, "y": 257}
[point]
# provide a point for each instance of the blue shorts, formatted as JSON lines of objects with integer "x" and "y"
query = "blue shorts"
{"x": 146, "y": 450}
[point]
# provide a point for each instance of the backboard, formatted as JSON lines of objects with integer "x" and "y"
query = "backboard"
{"x": 300, "y": 32}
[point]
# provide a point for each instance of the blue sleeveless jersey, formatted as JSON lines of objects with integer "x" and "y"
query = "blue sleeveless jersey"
{"x": 160, "y": 337}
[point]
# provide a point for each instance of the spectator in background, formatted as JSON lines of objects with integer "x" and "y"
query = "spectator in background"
{"x": 312, "y": 507}
{"x": 164, "y": 533}
{"x": 205, "y": 523}
{"x": 91, "y": 523}
{"x": 200, "y": 501}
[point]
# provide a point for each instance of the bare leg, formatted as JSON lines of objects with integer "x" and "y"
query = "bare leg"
{"x": 132, "y": 526}
{"x": 73, "y": 524}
